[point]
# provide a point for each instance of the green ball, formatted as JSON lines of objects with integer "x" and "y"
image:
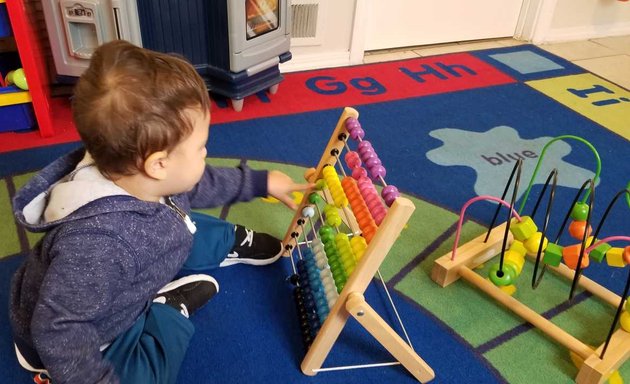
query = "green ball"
{"x": 502, "y": 278}
{"x": 579, "y": 211}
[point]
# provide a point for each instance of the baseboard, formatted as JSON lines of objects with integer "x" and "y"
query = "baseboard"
{"x": 586, "y": 32}
{"x": 316, "y": 61}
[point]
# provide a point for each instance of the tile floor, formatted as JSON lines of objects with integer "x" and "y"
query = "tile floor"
{"x": 608, "y": 57}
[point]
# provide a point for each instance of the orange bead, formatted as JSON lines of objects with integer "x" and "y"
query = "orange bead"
{"x": 576, "y": 229}
{"x": 626, "y": 254}
{"x": 571, "y": 254}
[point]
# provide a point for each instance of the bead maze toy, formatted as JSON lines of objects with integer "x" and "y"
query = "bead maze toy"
{"x": 333, "y": 269}
{"x": 519, "y": 237}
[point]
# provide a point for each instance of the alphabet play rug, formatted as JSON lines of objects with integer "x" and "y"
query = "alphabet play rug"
{"x": 457, "y": 133}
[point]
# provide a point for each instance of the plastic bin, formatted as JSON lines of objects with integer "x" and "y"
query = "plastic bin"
{"x": 15, "y": 117}
{"x": 5, "y": 25}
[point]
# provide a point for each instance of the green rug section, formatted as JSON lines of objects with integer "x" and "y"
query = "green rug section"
{"x": 458, "y": 303}
{"x": 8, "y": 230}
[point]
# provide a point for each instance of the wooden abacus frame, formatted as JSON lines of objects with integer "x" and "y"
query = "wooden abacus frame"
{"x": 476, "y": 252}
{"x": 351, "y": 301}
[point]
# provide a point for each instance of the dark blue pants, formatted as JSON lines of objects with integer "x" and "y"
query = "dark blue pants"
{"x": 152, "y": 350}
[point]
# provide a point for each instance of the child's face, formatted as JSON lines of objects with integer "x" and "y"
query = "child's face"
{"x": 187, "y": 159}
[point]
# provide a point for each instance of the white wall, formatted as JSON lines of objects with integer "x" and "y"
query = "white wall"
{"x": 586, "y": 19}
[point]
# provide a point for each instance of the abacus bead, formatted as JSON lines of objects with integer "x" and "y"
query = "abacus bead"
{"x": 326, "y": 230}
{"x": 389, "y": 189}
{"x": 357, "y": 133}
{"x": 372, "y": 162}
{"x": 320, "y": 184}
{"x": 576, "y": 229}
{"x": 352, "y": 159}
{"x": 626, "y": 254}
{"x": 352, "y": 123}
{"x": 390, "y": 198}
{"x": 358, "y": 173}
{"x": 308, "y": 211}
{"x": 579, "y": 211}
{"x": 314, "y": 198}
{"x": 378, "y": 172}
{"x": 364, "y": 145}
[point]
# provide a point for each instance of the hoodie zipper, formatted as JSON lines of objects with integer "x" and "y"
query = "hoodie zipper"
{"x": 192, "y": 228}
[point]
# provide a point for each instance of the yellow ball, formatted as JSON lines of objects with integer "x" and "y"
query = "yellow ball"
{"x": 532, "y": 243}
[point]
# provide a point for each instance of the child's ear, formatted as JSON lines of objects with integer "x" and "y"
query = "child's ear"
{"x": 155, "y": 165}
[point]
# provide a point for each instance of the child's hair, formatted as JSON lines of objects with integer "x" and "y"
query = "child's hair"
{"x": 130, "y": 103}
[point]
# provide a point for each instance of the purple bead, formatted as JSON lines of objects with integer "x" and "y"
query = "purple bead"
{"x": 378, "y": 171}
{"x": 364, "y": 145}
{"x": 352, "y": 123}
{"x": 372, "y": 162}
{"x": 358, "y": 173}
{"x": 357, "y": 134}
{"x": 389, "y": 189}
{"x": 389, "y": 199}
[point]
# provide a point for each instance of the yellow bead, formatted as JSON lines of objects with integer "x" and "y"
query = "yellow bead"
{"x": 533, "y": 242}
{"x": 513, "y": 258}
{"x": 524, "y": 229}
{"x": 614, "y": 257}
{"x": 517, "y": 246}
{"x": 624, "y": 320}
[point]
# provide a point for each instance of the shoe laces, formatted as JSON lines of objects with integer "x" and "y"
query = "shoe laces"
{"x": 249, "y": 237}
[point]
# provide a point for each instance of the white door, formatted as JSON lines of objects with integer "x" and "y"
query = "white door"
{"x": 401, "y": 23}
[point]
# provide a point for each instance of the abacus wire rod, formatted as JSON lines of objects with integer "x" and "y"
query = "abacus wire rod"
{"x": 505, "y": 191}
{"x": 542, "y": 154}
{"x": 347, "y": 367}
{"x": 391, "y": 301}
{"x": 463, "y": 212}
{"x": 552, "y": 192}
{"x": 578, "y": 267}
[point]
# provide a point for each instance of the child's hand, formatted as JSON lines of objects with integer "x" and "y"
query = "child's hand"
{"x": 281, "y": 187}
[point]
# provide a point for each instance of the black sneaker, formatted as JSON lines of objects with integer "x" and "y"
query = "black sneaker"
{"x": 189, "y": 293}
{"x": 253, "y": 248}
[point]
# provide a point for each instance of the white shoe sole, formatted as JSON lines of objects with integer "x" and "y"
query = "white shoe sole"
{"x": 237, "y": 260}
{"x": 186, "y": 280}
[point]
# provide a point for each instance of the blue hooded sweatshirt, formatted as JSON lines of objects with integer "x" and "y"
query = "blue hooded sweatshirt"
{"x": 99, "y": 267}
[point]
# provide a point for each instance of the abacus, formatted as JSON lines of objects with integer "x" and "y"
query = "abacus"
{"x": 519, "y": 237}
{"x": 334, "y": 268}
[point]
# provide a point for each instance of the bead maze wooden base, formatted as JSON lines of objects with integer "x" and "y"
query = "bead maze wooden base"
{"x": 476, "y": 252}
{"x": 351, "y": 301}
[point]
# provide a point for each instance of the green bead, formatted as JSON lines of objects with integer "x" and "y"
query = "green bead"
{"x": 314, "y": 198}
{"x": 327, "y": 230}
{"x": 320, "y": 184}
{"x": 579, "y": 211}
{"x": 502, "y": 278}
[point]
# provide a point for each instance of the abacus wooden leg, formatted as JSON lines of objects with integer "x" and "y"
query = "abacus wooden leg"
{"x": 377, "y": 327}
{"x": 595, "y": 370}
